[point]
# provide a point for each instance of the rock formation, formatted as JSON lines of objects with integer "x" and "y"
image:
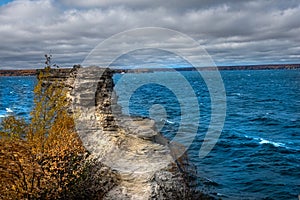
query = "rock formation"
{"x": 147, "y": 164}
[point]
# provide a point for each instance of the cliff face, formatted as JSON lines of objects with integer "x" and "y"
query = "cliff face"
{"x": 146, "y": 163}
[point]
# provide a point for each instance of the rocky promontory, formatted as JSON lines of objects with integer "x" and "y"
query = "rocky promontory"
{"x": 146, "y": 164}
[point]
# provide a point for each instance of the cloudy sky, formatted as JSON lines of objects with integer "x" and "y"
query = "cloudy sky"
{"x": 232, "y": 32}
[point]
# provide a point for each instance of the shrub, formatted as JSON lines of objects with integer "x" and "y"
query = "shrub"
{"x": 45, "y": 159}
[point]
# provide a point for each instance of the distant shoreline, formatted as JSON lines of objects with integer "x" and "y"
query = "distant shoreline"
{"x": 34, "y": 72}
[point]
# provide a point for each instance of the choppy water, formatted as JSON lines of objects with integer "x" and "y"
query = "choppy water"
{"x": 16, "y": 96}
{"x": 258, "y": 153}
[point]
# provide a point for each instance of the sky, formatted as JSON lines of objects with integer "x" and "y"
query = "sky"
{"x": 233, "y": 32}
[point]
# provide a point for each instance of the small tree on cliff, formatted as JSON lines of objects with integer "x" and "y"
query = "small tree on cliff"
{"x": 45, "y": 158}
{"x": 50, "y": 109}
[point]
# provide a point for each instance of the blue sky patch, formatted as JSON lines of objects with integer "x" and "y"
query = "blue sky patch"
{"x": 3, "y": 2}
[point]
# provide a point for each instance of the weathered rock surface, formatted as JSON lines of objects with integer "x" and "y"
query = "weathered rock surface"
{"x": 148, "y": 166}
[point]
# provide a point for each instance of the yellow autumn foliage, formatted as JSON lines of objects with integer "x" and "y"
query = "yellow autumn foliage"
{"x": 45, "y": 158}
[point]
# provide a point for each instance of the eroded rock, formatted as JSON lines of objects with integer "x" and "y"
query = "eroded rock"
{"x": 147, "y": 165}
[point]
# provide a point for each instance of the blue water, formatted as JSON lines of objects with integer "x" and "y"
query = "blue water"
{"x": 258, "y": 153}
{"x": 16, "y": 96}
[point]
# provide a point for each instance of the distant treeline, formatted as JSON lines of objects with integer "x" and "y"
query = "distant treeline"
{"x": 241, "y": 67}
{"x": 28, "y": 72}
{"x": 19, "y": 72}
{"x": 34, "y": 72}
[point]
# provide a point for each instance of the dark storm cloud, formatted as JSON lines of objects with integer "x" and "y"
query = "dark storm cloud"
{"x": 233, "y": 32}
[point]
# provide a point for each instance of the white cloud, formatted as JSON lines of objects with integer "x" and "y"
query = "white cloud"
{"x": 232, "y": 31}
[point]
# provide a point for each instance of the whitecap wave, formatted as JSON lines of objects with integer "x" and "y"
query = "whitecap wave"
{"x": 265, "y": 141}
{"x": 170, "y": 122}
{"x": 9, "y": 110}
{"x": 275, "y": 144}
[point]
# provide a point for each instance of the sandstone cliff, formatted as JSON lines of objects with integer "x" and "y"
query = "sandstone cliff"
{"x": 147, "y": 165}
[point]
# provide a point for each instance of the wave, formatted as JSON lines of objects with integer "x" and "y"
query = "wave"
{"x": 235, "y": 94}
{"x": 264, "y": 118}
{"x": 288, "y": 147}
{"x": 265, "y": 141}
{"x": 275, "y": 144}
{"x": 9, "y": 110}
{"x": 267, "y": 120}
{"x": 167, "y": 121}
{"x": 267, "y": 100}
